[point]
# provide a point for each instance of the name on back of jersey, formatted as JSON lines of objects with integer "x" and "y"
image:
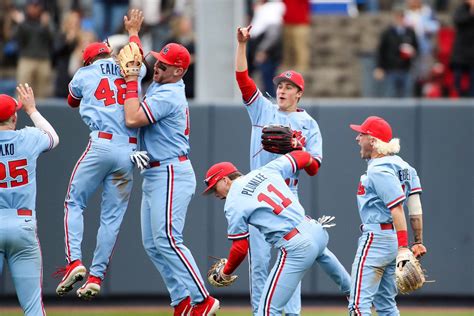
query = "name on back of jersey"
{"x": 7, "y": 149}
{"x": 253, "y": 184}
{"x": 110, "y": 69}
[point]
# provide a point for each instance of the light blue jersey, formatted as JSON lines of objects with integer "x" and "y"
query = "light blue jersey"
{"x": 167, "y": 135}
{"x": 388, "y": 181}
{"x": 263, "y": 199}
{"x": 18, "y": 153}
{"x": 101, "y": 89}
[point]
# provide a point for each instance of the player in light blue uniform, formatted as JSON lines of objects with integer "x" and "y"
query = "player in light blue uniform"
{"x": 262, "y": 199}
{"x": 169, "y": 183}
{"x": 19, "y": 243}
{"x": 290, "y": 88}
{"x": 383, "y": 188}
{"x": 99, "y": 91}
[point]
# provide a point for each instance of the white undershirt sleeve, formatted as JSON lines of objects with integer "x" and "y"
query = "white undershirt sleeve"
{"x": 41, "y": 123}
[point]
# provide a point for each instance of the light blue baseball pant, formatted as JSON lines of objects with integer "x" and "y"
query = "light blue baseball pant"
{"x": 167, "y": 191}
{"x": 105, "y": 162}
{"x": 296, "y": 256}
{"x": 373, "y": 273}
{"x": 19, "y": 246}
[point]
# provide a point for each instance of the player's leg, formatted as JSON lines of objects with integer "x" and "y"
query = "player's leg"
{"x": 180, "y": 187}
{"x": 259, "y": 262}
{"x": 335, "y": 270}
{"x": 176, "y": 289}
{"x": 25, "y": 262}
{"x": 366, "y": 271}
{"x": 293, "y": 306}
{"x": 384, "y": 300}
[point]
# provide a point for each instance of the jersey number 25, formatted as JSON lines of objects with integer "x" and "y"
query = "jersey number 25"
{"x": 16, "y": 168}
{"x": 277, "y": 206}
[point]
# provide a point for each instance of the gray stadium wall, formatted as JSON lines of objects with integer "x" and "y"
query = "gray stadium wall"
{"x": 436, "y": 138}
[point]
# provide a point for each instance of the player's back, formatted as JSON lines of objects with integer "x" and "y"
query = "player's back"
{"x": 102, "y": 92}
{"x": 19, "y": 151}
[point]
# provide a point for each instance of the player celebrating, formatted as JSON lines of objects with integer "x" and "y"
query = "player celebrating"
{"x": 170, "y": 182}
{"x": 262, "y": 112}
{"x": 99, "y": 90}
{"x": 19, "y": 149}
{"x": 263, "y": 200}
{"x": 383, "y": 188}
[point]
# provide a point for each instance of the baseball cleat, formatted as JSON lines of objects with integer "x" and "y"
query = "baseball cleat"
{"x": 207, "y": 307}
{"x": 183, "y": 308}
{"x": 90, "y": 289}
{"x": 72, "y": 273}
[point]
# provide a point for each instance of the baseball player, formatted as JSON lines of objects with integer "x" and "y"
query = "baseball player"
{"x": 99, "y": 91}
{"x": 169, "y": 182}
{"x": 263, "y": 200}
{"x": 388, "y": 182}
{"x": 290, "y": 88}
{"x": 19, "y": 243}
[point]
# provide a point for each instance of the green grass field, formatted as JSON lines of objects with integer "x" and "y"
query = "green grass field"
{"x": 313, "y": 312}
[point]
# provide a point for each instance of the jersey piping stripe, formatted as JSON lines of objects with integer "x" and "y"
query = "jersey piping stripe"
{"x": 319, "y": 159}
{"x": 360, "y": 268}
{"x": 252, "y": 98}
{"x": 274, "y": 282}
{"x": 292, "y": 162}
{"x": 41, "y": 272}
{"x": 415, "y": 190}
{"x": 51, "y": 141}
{"x": 66, "y": 229}
{"x": 169, "y": 233}
{"x": 72, "y": 94}
{"x": 148, "y": 113}
{"x": 249, "y": 253}
{"x": 239, "y": 236}
{"x": 396, "y": 201}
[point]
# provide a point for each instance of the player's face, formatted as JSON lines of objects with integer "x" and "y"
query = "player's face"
{"x": 222, "y": 188}
{"x": 164, "y": 73}
{"x": 288, "y": 96}
{"x": 366, "y": 145}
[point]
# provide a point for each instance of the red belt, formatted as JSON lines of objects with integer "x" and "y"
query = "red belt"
{"x": 24, "y": 212}
{"x": 131, "y": 140}
{"x": 157, "y": 163}
{"x": 291, "y": 234}
{"x": 386, "y": 226}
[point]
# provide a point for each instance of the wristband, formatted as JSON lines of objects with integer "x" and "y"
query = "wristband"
{"x": 132, "y": 90}
{"x": 402, "y": 236}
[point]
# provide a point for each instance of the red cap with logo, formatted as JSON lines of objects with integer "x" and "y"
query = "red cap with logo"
{"x": 94, "y": 49}
{"x": 8, "y": 107}
{"x": 376, "y": 127}
{"x": 217, "y": 172}
{"x": 292, "y": 76}
{"x": 174, "y": 54}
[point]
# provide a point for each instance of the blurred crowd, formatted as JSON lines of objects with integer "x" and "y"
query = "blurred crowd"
{"x": 417, "y": 55}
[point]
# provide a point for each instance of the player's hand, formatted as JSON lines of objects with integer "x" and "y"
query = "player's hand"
{"x": 243, "y": 34}
{"x": 133, "y": 22}
{"x": 403, "y": 257}
{"x": 418, "y": 250}
{"x": 140, "y": 159}
{"x": 27, "y": 98}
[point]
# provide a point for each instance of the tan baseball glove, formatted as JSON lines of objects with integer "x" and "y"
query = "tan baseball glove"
{"x": 130, "y": 59}
{"x": 214, "y": 274}
{"x": 409, "y": 274}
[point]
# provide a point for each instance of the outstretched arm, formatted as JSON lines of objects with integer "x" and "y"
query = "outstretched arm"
{"x": 133, "y": 24}
{"x": 246, "y": 84}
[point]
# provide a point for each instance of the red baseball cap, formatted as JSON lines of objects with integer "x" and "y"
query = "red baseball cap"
{"x": 376, "y": 127}
{"x": 216, "y": 173}
{"x": 174, "y": 54}
{"x": 292, "y": 76}
{"x": 94, "y": 49}
{"x": 8, "y": 107}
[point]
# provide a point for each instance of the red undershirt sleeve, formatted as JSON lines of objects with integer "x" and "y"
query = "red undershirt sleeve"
{"x": 237, "y": 254}
{"x": 246, "y": 85}
{"x": 73, "y": 102}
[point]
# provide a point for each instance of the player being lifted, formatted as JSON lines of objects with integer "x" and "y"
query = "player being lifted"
{"x": 262, "y": 112}
{"x": 262, "y": 199}
{"x": 98, "y": 89}
{"x": 19, "y": 149}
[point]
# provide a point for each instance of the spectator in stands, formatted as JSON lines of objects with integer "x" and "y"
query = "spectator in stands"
{"x": 35, "y": 47}
{"x": 462, "y": 60}
{"x": 182, "y": 33}
{"x": 265, "y": 45}
{"x": 296, "y": 30}
{"x": 421, "y": 18}
{"x": 108, "y": 16}
{"x": 397, "y": 49}
{"x": 64, "y": 45}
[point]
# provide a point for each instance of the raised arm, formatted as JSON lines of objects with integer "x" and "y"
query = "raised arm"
{"x": 133, "y": 24}
{"x": 246, "y": 85}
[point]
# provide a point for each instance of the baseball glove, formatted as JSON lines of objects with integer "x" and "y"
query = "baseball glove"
{"x": 409, "y": 274}
{"x": 130, "y": 59}
{"x": 279, "y": 139}
{"x": 214, "y": 274}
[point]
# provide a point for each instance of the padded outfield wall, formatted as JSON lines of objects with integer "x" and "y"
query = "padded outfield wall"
{"x": 436, "y": 138}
